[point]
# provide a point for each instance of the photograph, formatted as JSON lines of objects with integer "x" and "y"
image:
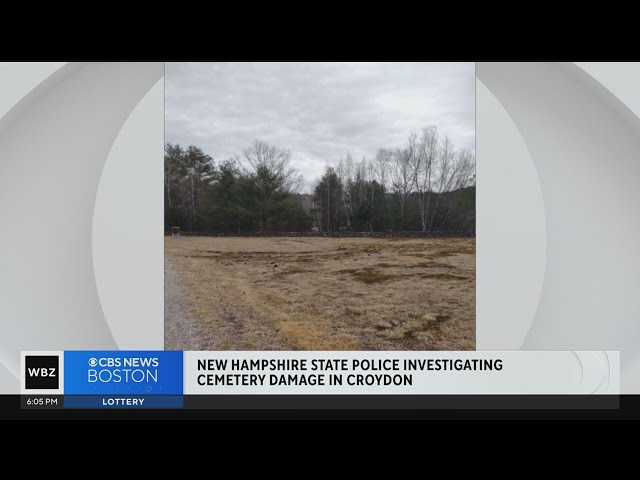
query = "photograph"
{"x": 320, "y": 206}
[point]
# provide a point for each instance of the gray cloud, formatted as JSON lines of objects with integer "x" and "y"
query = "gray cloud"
{"x": 317, "y": 110}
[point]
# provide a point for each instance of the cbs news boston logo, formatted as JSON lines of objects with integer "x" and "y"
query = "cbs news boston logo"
{"x": 123, "y": 369}
{"x": 123, "y": 372}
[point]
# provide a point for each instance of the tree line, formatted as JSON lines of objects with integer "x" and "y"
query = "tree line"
{"x": 425, "y": 185}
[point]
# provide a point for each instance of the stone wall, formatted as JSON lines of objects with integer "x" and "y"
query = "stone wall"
{"x": 341, "y": 234}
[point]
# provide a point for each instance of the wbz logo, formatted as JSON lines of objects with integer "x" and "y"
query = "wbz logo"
{"x": 41, "y": 372}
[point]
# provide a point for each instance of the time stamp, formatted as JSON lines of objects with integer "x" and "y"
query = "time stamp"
{"x": 41, "y": 401}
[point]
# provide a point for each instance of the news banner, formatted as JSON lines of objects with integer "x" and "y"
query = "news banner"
{"x": 244, "y": 380}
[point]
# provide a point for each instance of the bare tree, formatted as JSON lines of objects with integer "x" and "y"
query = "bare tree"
{"x": 461, "y": 177}
{"x": 371, "y": 174}
{"x": 348, "y": 168}
{"x": 361, "y": 180}
{"x": 427, "y": 155}
{"x": 316, "y": 212}
{"x": 172, "y": 166}
{"x": 344, "y": 170}
{"x": 360, "y": 187}
{"x": 273, "y": 166}
{"x": 402, "y": 178}
{"x": 198, "y": 170}
{"x": 382, "y": 164}
{"x": 443, "y": 176}
{"x": 328, "y": 206}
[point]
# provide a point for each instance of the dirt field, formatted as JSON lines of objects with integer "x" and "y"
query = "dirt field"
{"x": 319, "y": 294}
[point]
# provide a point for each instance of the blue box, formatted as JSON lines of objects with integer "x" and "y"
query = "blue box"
{"x": 119, "y": 401}
{"x": 123, "y": 372}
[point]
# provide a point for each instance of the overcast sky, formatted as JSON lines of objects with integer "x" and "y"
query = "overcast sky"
{"x": 317, "y": 110}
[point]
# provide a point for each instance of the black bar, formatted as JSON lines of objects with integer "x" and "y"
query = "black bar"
{"x": 400, "y": 402}
{"x": 578, "y": 408}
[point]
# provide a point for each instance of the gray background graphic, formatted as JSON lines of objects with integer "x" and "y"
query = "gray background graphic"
{"x": 571, "y": 125}
{"x": 81, "y": 149}
{"x": 63, "y": 146}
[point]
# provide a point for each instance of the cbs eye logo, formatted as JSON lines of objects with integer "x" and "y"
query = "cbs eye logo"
{"x": 93, "y": 362}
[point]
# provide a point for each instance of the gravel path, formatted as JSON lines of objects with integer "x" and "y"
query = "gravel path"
{"x": 232, "y": 326}
{"x": 182, "y": 330}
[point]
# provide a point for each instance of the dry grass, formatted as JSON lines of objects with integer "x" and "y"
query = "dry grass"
{"x": 443, "y": 276}
{"x": 328, "y": 293}
{"x": 370, "y": 275}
